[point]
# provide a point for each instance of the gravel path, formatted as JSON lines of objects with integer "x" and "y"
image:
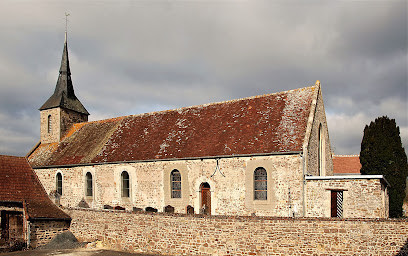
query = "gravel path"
{"x": 73, "y": 252}
{"x": 65, "y": 244}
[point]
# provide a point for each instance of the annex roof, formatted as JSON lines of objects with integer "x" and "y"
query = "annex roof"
{"x": 20, "y": 184}
{"x": 349, "y": 164}
{"x": 257, "y": 125}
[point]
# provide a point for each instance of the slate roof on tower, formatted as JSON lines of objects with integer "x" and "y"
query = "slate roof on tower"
{"x": 257, "y": 125}
{"x": 20, "y": 184}
{"x": 64, "y": 95}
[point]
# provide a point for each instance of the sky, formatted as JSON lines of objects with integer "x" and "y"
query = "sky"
{"x": 131, "y": 57}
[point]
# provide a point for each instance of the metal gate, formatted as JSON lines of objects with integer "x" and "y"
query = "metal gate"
{"x": 337, "y": 204}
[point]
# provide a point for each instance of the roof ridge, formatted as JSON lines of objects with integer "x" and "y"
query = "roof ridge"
{"x": 112, "y": 119}
{"x": 201, "y": 105}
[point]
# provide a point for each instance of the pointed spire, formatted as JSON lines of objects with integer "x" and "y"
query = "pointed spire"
{"x": 64, "y": 95}
{"x": 64, "y": 82}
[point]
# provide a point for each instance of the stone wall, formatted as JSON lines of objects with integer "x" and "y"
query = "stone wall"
{"x": 362, "y": 198}
{"x": 312, "y": 162}
{"x": 54, "y": 134}
{"x": 61, "y": 121}
{"x": 222, "y": 235}
{"x": 68, "y": 118}
{"x": 231, "y": 185}
{"x": 43, "y": 231}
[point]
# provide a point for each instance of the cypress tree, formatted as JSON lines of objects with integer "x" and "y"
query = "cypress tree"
{"x": 382, "y": 153}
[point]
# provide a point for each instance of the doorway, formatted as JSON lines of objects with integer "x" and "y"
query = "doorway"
{"x": 205, "y": 198}
{"x": 12, "y": 230}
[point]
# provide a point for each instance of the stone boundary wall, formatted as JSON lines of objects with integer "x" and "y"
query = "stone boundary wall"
{"x": 44, "y": 231}
{"x": 180, "y": 234}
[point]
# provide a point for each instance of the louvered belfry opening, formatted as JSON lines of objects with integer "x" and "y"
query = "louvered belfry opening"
{"x": 205, "y": 198}
{"x": 337, "y": 203}
{"x": 59, "y": 183}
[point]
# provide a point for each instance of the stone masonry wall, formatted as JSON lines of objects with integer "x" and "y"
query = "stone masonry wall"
{"x": 231, "y": 186}
{"x": 68, "y": 118}
{"x": 222, "y": 235}
{"x": 61, "y": 121}
{"x": 54, "y": 135}
{"x": 313, "y": 146}
{"x": 43, "y": 231}
{"x": 362, "y": 198}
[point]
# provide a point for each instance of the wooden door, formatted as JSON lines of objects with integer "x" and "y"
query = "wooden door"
{"x": 11, "y": 226}
{"x": 16, "y": 230}
{"x": 205, "y": 198}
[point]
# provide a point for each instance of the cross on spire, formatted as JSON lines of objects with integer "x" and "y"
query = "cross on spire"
{"x": 66, "y": 22}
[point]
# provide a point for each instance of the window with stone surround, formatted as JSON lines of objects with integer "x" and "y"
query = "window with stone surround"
{"x": 89, "y": 184}
{"x": 260, "y": 184}
{"x": 175, "y": 178}
{"x": 125, "y": 184}
{"x": 58, "y": 183}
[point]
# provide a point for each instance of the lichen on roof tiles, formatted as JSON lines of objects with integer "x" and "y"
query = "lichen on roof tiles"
{"x": 260, "y": 124}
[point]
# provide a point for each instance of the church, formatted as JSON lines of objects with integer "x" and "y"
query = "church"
{"x": 266, "y": 155}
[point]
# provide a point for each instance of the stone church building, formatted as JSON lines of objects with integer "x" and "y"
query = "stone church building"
{"x": 267, "y": 155}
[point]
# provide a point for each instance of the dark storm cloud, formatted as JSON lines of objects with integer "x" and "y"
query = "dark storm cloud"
{"x": 142, "y": 56}
{"x": 374, "y": 33}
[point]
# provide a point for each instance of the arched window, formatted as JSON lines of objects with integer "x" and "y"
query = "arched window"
{"x": 49, "y": 123}
{"x": 58, "y": 183}
{"x": 260, "y": 184}
{"x": 321, "y": 151}
{"x": 125, "y": 184}
{"x": 175, "y": 178}
{"x": 89, "y": 187}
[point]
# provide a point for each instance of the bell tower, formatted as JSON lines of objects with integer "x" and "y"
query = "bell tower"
{"x": 63, "y": 108}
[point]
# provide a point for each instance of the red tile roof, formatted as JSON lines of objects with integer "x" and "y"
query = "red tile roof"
{"x": 19, "y": 183}
{"x": 346, "y": 164}
{"x": 262, "y": 124}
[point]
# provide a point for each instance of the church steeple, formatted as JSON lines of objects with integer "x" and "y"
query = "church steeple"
{"x": 64, "y": 95}
{"x": 63, "y": 108}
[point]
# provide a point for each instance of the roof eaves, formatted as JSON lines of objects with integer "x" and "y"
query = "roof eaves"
{"x": 48, "y": 218}
{"x": 348, "y": 177}
{"x": 170, "y": 159}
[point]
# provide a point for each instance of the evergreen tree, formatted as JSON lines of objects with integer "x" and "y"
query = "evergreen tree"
{"x": 382, "y": 153}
